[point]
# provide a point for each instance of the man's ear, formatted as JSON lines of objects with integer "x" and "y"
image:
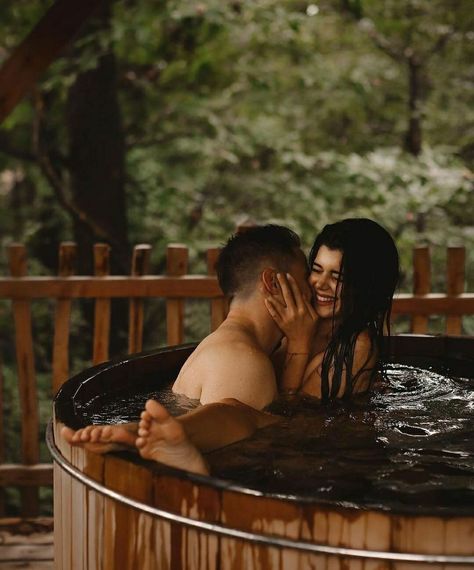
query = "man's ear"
{"x": 269, "y": 281}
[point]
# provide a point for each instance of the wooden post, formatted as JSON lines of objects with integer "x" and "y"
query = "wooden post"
{"x": 102, "y": 306}
{"x": 2, "y": 432}
{"x": 24, "y": 67}
{"x": 219, "y": 306}
{"x": 176, "y": 265}
{"x": 140, "y": 266}
{"x": 62, "y": 317}
{"x": 26, "y": 380}
{"x": 455, "y": 275}
{"x": 421, "y": 285}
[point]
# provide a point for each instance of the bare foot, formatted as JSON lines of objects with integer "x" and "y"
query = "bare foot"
{"x": 162, "y": 438}
{"x": 102, "y": 439}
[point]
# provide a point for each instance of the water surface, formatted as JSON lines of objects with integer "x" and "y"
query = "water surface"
{"x": 408, "y": 447}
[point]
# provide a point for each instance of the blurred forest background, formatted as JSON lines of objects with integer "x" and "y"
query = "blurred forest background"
{"x": 174, "y": 121}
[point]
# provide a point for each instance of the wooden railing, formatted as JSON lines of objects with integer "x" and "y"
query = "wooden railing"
{"x": 175, "y": 286}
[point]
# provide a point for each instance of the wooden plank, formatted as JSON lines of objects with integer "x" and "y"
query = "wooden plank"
{"x": 25, "y": 552}
{"x": 136, "y": 482}
{"x": 421, "y": 285}
{"x": 102, "y": 306}
{"x": 63, "y": 538}
{"x": 24, "y": 475}
{"x": 112, "y": 286}
{"x": 140, "y": 267}
{"x": 62, "y": 317}
{"x": 176, "y": 265}
{"x": 433, "y": 304}
{"x": 455, "y": 274}
{"x": 26, "y": 380}
{"x": 219, "y": 306}
{"x": 94, "y": 467}
{"x": 42, "y": 45}
{"x": 2, "y": 431}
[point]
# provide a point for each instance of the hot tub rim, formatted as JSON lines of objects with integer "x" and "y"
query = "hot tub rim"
{"x": 65, "y": 397}
{"x": 257, "y": 538}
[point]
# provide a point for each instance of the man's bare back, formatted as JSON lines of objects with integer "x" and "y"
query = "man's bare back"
{"x": 229, "y": 363}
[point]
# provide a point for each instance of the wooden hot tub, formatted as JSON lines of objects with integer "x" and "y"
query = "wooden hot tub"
{"x": 120, "y": 512}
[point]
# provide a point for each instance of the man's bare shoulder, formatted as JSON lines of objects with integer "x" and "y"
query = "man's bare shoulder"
{"x": 223, "y": 367}
{"x": 223, "y": 355}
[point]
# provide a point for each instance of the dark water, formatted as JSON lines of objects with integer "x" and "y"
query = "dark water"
{"x": 407, "y": 447}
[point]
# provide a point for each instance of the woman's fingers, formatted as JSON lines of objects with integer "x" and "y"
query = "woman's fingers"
{"x": 277, "y": 297}
{"x": 286, "y": 291}
{"x": 310, "y": 309}
{"x": 298, "y": 297}
{"x": 272, "y": 308}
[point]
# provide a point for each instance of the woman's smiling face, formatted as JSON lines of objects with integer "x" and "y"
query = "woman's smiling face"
{"x": 325, "y": 280}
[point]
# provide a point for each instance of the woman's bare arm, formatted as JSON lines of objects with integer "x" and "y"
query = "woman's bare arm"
{"x": 297, "y": 319}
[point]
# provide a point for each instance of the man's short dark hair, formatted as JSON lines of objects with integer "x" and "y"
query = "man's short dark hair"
{"x": 245, "y": 255}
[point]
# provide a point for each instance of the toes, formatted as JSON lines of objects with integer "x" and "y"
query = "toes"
{"x": 143, "y": 432}
{"x": 107, "y": 433}
{"x": 85, "y": 433}
{"x": 96, "y": 434}
{"x": 156, "y": 410}
{"x": 68, "y": 434}
{"x": 140, "y": 442}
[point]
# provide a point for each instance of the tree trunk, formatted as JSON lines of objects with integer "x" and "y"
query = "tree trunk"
{"x": 413, "y": 141}
{"x": 97, "y": 155}
{"x": 97, "y": 159}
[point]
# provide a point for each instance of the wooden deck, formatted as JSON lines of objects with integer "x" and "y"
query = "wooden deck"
{"x": 26, "y": 544}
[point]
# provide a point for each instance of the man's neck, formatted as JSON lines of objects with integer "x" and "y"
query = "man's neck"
{"x": 253, "y": 318}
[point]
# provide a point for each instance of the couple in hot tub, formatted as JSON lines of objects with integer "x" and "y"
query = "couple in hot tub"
{"x": 315, "y": 329}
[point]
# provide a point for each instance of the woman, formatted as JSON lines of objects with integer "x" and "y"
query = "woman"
{"x": 332, "y": 348}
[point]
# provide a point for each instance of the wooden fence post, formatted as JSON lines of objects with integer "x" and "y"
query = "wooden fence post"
{"x": 176, "y": 265}
{"x": 455, "y": 274}
{"x": 219, "y": 306}
{"x": 102, "y": 306}
{"x": 2, "y": 430}
{"x": 421, "y": 285}
{"x": 140, "y": 266}
{"x": 62, "y": 318}
{"x": 26, "y": 380}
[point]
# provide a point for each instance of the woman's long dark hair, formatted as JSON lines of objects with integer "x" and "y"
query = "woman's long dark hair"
{"x": 369, "y": 276}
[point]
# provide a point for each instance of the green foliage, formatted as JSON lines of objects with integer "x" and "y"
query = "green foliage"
{"x": 276, "y": 110}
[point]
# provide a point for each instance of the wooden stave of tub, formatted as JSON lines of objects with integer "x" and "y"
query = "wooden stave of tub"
{"x": 104, "y": 520}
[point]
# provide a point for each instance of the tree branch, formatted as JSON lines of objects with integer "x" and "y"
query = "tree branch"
{"x": 56, "y": 183}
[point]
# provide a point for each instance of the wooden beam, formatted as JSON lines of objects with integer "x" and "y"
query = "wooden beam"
{"x": 433, "y": 304}
{"x": 112, "y": 286}
{"x": 40, "y": 48}
{"x": 21, "y": 475}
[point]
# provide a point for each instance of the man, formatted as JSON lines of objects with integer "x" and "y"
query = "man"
{"x": 231, "y": 368}
{"x": 233, "y": 362}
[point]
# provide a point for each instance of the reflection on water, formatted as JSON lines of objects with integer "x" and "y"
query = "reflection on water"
{"x": 408, "y": 445}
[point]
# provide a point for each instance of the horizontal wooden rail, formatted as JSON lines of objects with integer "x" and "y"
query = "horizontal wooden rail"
{"x": 25, "y": 475}
{"x": 194, "y": 286}
{"x": 434, "y": 304}
{"x": 111, "y": 286}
